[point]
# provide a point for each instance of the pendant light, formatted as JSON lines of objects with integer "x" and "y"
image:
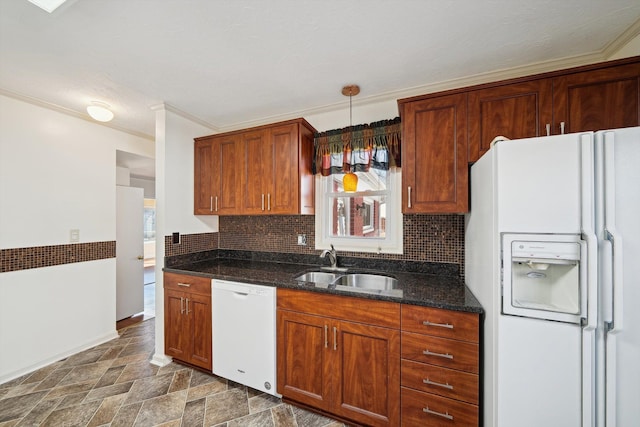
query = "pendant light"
{"x": 350, "y": 179}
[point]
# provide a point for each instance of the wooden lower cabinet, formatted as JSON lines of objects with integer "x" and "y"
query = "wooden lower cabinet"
{"x": 425, "y": 409}
{"x": 187, "y": 319}
{"x": 342, "y": 367}
{"x": 440, "y": 367}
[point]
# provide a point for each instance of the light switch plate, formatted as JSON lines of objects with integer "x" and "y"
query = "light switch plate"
{"x": 302, "y": 239}
{"x": 74, "y": 235}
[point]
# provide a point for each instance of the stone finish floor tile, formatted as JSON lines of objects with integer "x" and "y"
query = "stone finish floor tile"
{"x": 113, "y": 384}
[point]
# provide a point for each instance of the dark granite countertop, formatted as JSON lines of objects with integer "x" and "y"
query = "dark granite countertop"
{"x": 430, "y": 290}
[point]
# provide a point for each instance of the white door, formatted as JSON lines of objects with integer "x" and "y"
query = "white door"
{"x": 129, "y": 251}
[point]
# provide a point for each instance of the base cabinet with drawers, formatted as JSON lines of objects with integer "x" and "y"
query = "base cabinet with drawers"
{"x": 187, "y": 319}
{"x": 377, "y": 363}
{"x": 440, "y": 367}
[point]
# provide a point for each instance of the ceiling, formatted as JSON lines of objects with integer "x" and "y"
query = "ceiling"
{"x": 228, "y": 64}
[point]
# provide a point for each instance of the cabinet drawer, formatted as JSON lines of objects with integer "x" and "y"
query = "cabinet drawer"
{"x": 441, "y": 381}
{"x": 441, "y": 323}
{"x": 452, "y": 354}
{"x": 186, "y": 283}
{"x": 376, "y": 313}
{"x": 424, "y": 409}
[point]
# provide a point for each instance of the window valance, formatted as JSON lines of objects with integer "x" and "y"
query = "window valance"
{"x": 358, "y": 148}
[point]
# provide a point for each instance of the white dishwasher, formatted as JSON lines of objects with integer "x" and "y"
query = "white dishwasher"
{"x": 244, "y": 333}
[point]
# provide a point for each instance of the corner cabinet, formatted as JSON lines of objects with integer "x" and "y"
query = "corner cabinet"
{"x": 340, "y": 355}
{"x": 434, "y": 154}
{"x": 187, "y": 319}
{"x": 262, "y": 170}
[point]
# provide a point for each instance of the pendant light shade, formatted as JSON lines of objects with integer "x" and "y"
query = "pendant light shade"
{"x": 350, "y": 182}
{"x": 350, "y": 179}
{"x": 100, "y": 111}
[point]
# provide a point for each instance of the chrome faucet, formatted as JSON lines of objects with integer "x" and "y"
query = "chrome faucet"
{"x": 333, "y": 257}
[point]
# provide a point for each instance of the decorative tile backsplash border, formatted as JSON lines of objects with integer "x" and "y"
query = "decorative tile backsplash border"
{"x": 46, "y": 256}
{"x": 427, "y": 238}
{"x": 190, "y": 243}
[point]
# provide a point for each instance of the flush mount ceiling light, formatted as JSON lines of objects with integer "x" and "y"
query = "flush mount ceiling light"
{"x": 48, "y": 5}
{"x": 350, "y": 179}
{"x": 100, "y": 111}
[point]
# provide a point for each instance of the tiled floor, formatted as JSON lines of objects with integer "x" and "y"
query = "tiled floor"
{"x": 114, "y": 384}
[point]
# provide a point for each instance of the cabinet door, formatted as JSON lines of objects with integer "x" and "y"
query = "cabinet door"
{"x": 226, "y": 164}
{"x": 595, "y": 100}
{"x": 304, "y": 359}
{"x": 203, "y": 177}
{"x": 519, "y": 110}
{"x": 198, "y": 309}
{"x": 368, "y": 375}
{"x": 434, "y": 155}
{"x": 177, "y": 326}
{"x": 254, "y": 180}
{"x": 283, "y": 191}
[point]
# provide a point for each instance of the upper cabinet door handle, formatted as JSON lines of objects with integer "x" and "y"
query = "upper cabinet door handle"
{"x": 409, "y": 197}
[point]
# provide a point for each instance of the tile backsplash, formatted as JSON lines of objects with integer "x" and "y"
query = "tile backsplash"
{"x": 427, "y": 238}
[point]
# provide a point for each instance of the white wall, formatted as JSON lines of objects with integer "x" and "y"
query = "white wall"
{"x": 174, "y": 198}
{"x": 362, "y": 114}
{"x": 148, "y": 185}
{"x": 57, "y": 173}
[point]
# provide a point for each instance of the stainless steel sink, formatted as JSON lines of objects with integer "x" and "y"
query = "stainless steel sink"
{"x": 318, "y": 277}
{"x": 367, "y": 281}
{"x": 354, "y": 282}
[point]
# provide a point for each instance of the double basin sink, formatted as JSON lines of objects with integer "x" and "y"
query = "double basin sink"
{"x": 377, "y": 284}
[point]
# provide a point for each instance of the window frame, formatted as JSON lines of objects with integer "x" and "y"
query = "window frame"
{"x": 391, "y": 243}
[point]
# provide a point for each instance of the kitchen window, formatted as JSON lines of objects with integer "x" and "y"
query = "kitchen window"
{"x": 367, "y": 220}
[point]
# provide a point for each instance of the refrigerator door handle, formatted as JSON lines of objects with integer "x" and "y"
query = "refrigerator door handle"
{"x": 612, "y": 234}
{"x": 606, "y": 276}
{"x": 589, "y": 264}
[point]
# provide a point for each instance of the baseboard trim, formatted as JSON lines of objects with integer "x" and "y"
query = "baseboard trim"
{"x": 160, "y": 360}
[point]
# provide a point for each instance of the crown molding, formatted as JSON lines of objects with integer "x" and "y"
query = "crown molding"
{"x": 70, "y": 112}
{"x": 168, "y": 107}
{"x": 622, "y": 40}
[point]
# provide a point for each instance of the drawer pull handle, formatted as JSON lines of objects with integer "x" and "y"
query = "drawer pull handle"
{"x": 428, "y": 381}
{"x": 440, "y": 414}
{"x": 440, "y": 325}
{"x": 445, "y": 355}
{"x": 184, "y": 285}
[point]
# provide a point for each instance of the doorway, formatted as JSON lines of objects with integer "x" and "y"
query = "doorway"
{"x": 149, "y": 231}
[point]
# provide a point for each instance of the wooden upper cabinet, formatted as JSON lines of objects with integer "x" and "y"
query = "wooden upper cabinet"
{"x": 592, "y": 100}
{"x": 434, "y": 154}
{"x": 263, "y": 170}
{"x": 203, "y": 177}
{"x": 216, "y": 175}
{"x": 518, "y": 110}
{"x": 253, "y": 165}
{"x": 270, "y": 179}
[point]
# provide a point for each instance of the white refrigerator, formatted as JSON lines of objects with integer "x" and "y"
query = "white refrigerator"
{"x": 552, "y": 252}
